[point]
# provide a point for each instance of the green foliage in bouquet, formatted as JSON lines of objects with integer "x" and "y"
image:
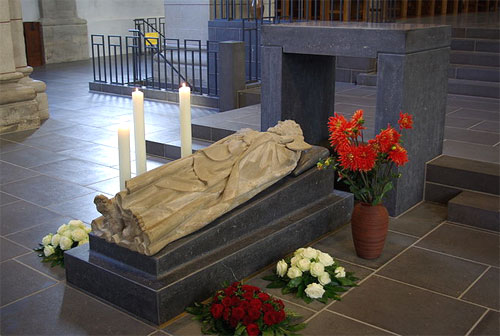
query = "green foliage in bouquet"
{"x": 311, "y": 275}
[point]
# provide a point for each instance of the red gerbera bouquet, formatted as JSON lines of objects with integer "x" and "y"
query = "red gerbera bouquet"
{"x": 366, "y": 167}
{"x": 244, "y": 310}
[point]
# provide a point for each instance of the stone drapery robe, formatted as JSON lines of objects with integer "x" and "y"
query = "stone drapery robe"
{"x": 181, "y": 197}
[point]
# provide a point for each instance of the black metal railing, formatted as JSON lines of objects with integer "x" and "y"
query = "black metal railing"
{"x": 150, "y": 25}
{"x": 155, "y": 62}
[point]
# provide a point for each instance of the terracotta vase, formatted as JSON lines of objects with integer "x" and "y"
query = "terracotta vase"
{"x": 369, "y": 224}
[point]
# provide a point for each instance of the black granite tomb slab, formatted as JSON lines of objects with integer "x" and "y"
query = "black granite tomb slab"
{"x": 285, "y": 217}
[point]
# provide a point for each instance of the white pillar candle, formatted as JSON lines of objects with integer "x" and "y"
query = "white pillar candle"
{"x": 124, "y": 154}
{"x": 140, "y": 139}
{"x": 185, "y": 119}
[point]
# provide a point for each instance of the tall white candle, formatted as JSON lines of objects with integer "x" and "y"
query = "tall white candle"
{"x": 140, "y": 139}
{"x": 124, "y": 154}
{"x": 185, "y": 119}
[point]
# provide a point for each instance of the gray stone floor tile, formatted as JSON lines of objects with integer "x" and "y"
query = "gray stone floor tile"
{"x": 34, "y": 261}
{"x": 32, "y": 157}
{"x": 480, "y": 114}
{"x": 419, "y": 220}
{"x": 11, "y": 173}
{"x": 55, "y": 142}
{"x": 78, "y": 171}
{"x": 62, "y": 310}
{"x": 22, "y": 136}
{"x": 31, "y": 237}
{"x": 82, "y": 208}
{"x": 477, "y": 137}
{"x": 9, "y": 146}
{"x": 488, "y": 326}
{"x": 22, "y": 215}
{"x": 111, "y": 186}
{"x": 44, "y": 190}
{"x": 9, "y": 250}
{"x": 487, "y": 126}
{"x": 407, "y": 310}
{"x": 340, "y": 245}
{"x": 83, "y": 132}
{"x": 50, "y": 125}
{"x": 7, "y": 199}
{"x": 470, "y": 151}
{"x": 461, "y": 122}
{"x": 99, "y": 120}
{"x": 103, "y": 155}
{"x": 19, "y": 281}
{"x": 434, "y": 271}
{"x": 486, "y": 290}
{"x": 328, "y": 323}
{"x": 465, "y": 243}
{"x": 158, "y": 333}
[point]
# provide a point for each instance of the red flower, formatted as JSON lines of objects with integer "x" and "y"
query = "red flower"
{"x": 244, "y": 304}
{"x": 264, "y": 296}
{"x": 337, "y": 126}
{"x": 233, "y": 322}
{"x": 247, "y": 320}
{"x": 357, "y": 118}
{"x": 217, "y": 310}
{"x": 253, "y": 330}
{"x": 248, "y": 295}
{"x": 237, "y": 313}
{"x": 269, "y": 318}
{"x": 387, "y": 138}
{"x": 227, "y": 301}
{"x": 235, "y": 284}
{"x": 235, "y": 301}
{"x": 360, "y": 157}
{"x": 280, "y": 316}
{"x": 405, "y": 120}
{"x": 267, "y": 307}
{"x": 280, "y": 304}
{"x": 226, "y": 313}
{"x": 256, "y": 304}
{"x": 229, "y": 291}
{"x": 253, "y": 314}
{"x": 398, "y": 155}
{"x": 248, "y": 288}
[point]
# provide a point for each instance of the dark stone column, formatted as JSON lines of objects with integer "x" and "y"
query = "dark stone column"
{"x": 417, "y": 84}
{"x": 231, "y": 78}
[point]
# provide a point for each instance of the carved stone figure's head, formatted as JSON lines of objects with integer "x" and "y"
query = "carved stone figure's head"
{"x": 291, "y": 135}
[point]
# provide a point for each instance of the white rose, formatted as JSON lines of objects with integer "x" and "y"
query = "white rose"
{"x": 83, "y": 242}
{"x": 55, "y": 239}
{"x": 87, "y": 229}
{"x": 48, "y": 250}
{"x": 62, "y": 228}
{"x": 79, "y": 234}
{"x": 304, "y": 265}
{"x": 76, "y": 224}
{"x": 340, "y": 272}
{"x": 299, "y": 251}
{"x": 281, "y": 268}
{"x": 324, "y": 279}
{"x": 66, "y": 234}
{"x": 295, "y": 260}
{"x": 47, "y": 239}
{"x": 315, "y": 291}
{"x": 325, "y": 259}
{"x": 310, "y": 253}
{"x": 65, "y": 243}
{"x": 294, "y": 272}
{"x": 317, "y": 269}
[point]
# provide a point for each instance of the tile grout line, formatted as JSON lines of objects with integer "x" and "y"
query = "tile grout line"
{"x": 478, "y": 123}
{"x": 457, "y": 257}
{"x": 434, "y": 292}
{"x": 362, "y": 322}
{"x": 465, "y": 226}
{"x": 477, "y": 322}
{"x": 34, "y": 269}
{"x": 474, "y": 282}
{"x": 29, "y": 295}
{"x": 404, "y": 234}
{"x": 353, "y": 263}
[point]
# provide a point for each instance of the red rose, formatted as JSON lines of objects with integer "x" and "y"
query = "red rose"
{"x": 238, "y": 313}
{"x": 235, "y": 284}
{"x": 235, "y": 301}
{"x": 269, "y": 318}
{"x": 280, "y": 304}
{"x": 233, "y": 322}
{"x": 267, "y": 307}
{"x": 226, "y": 313}
{"x": 255, "y": 303}
{"x": 249, "y": 288}
{"x": 229, "y": 291}
{"x": 246, "y": 320}
{"x": 217, "y": 310}
{"x": 254, "y": 314}
{"x": 281, "y": 315}
{"x": 264, "y": 296}
{"x": 227, "y": 301}
{"x": 248, "y": 295}
{"x": 244, "y": 305}
{"x": 253, "y": 329}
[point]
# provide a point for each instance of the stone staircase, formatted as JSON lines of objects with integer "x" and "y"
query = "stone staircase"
{"x": 474, "y": 63}
{"x": 470, "y": 188}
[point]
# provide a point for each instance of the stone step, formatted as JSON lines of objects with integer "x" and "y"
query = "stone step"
{"x": 476, "y": 33}
{"x": 474, "y": 72}
{"x": 159, "y": 300}
{"x": 474, "y": 88}
{"x": 469, "y": 44}
{"x": 475, "y": 209}
{"x": 447, "y": 176}
{"x": 172, "y": 149}
{"x": 275, "y": 202}
{"x": 475, "y": 58}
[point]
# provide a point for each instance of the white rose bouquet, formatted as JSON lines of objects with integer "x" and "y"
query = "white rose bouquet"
{"x": 312, "y": 275}
{"x": 70, "y": 235}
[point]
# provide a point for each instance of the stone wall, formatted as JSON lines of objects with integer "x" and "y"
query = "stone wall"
{"x": 23, "y": 101}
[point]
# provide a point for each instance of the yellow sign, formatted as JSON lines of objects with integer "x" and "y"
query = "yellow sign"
{"x": 152, "y": 38}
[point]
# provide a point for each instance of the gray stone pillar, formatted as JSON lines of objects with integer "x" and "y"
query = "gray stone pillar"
{"x": 231, "y": 78}
{"x": 64, "y": 34}
{"x": 22, "y": 101}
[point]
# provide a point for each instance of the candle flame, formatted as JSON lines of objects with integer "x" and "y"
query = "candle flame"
{"x": 124, "y": 127}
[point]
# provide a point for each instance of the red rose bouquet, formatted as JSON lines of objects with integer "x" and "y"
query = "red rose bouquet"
{"x": 366, "y": 167}
{"x": 244, "y": 310}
